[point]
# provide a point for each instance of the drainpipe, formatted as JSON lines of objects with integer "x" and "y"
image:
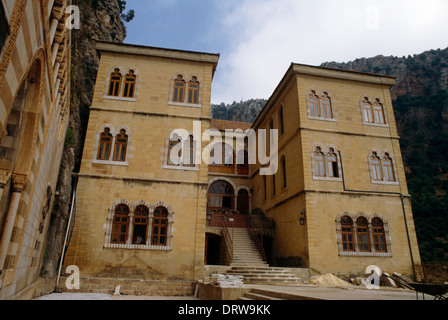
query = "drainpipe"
{"x": 384, "y": 192}
{"x": 68, "y": 230}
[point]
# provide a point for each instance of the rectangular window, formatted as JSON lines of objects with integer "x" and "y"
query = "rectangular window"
{"x": 314, "y": 107}
{"x": 347, "y": 239}
{"x": 193, "y": 90}
{"x": 319, "y": 166}
{"x": 379, "y": 114}
{"x": 376, "y": 170}
{"x": 367, "y": 113}
{"x": 363, "y": 239}
{"x": 388, "y": 171}
{"x": 326, "y": 108}
{"x": 333, "y": 170}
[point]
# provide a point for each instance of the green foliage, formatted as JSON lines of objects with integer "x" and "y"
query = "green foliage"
{"x": 246, "y": 111}
{"x": 128, "y": 16}
{"x": 70, "y": 140}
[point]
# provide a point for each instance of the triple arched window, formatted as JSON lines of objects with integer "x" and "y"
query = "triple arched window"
{"x": 143, "y": 226}
{"x": 112, "y": 147}
{"x": 185, "y": 92}
{"x": 362, "y": 236}
{"x": 320, "y": 106}
{"x": 120, "y": 85}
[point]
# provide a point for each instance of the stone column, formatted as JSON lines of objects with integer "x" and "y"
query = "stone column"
{"x": 18, "y": 182}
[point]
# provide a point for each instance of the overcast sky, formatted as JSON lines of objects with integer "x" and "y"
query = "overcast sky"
{"x": 258, "y": 39}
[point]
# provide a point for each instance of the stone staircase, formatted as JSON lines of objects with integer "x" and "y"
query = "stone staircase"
{"x": 247, "y": 262}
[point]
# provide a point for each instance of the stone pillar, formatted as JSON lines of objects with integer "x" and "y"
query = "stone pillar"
{"x": 18, "y": 182}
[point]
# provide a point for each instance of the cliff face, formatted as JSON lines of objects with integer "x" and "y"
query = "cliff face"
{"x": 100, "y": 20}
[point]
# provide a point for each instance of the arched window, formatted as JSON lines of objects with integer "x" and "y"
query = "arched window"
{"x": 129, "y": 84}
{"x": 332, "y": 164}
{"x": 189, "y": 156}
{"x": 379, "y": 235}
{"x": 179, "y": 89}
{"x": 221, "y": 195}
{"x": 378, "y": 112}
{"x": 222, "y": 155}
{"x": 120, "y": 224}
{"x": 319, "y": 163}
{"x": 362, "y": 232}
{"x": 193, "y": 91}
{"x": 121, "y": 144}
{"x": 367, "y": 111}
{"x": 314, "y": 105}
{"x": 388, "y": 168}
{"x": 243, "y": 162}
{"x": 327, "y": 110}
{"x": 105, "y": 145}
{"x": 140, "y": 224}
{"x": 375, "y": 163}
{"x": 347, "y": 234}
{"x": 283, "y": 172}
{"x": 243, "y": 201}
{"x": 160, "y": 227}
{"x": 281, "y": 120}
{"x": 174, "y": 151}
{"x": 115, "y": 83}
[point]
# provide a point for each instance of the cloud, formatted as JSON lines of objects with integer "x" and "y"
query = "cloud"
{"x": 265, "y": 36}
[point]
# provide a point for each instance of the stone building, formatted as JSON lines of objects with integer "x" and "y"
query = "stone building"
{"x": 337, "y": 200}
{"x": 138, "y": 211}
{"x": 34, "y": 108}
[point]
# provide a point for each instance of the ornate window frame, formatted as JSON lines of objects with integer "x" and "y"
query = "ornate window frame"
{"x": 382, "y": 155}
{"x": 129, "y": 243}
{"x": 123, "y": 71}
{"x": 326, "y": 151}
{"x": 365, "y": 104}
{"x": 187, "y": 79}
{"x": 319, "y": 96}
{"x": 181, "y": 166}
{"x": 114, "y": 132}
{"x": 357, "y": 252}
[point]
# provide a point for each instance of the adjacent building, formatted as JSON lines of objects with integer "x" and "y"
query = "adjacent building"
{"x": 34, "y": 112}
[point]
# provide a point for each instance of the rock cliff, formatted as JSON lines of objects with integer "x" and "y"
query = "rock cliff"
{"x": 100, "y": 20}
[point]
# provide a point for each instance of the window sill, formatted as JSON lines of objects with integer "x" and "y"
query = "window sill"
{"x": 327, "y": 179}
{"x": 146, "y": 247}
{"x": 384, "y": 125}
{"x": 387, "y": 183}
{"x": 183, "y": 104}
{"x": 322, "y": 119}
{"x": 168, "y": 167}
{"x": 111, "y": 163}
{"x": 365, "y": 254}
{"x": 120, "y": 98}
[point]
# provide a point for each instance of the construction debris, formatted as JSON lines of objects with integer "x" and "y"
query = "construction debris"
{"x": 328, "y": 280}
{"x": 227, "y": 281}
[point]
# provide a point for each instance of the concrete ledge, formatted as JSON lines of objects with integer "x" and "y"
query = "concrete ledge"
{"x": 212, "y": 292}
